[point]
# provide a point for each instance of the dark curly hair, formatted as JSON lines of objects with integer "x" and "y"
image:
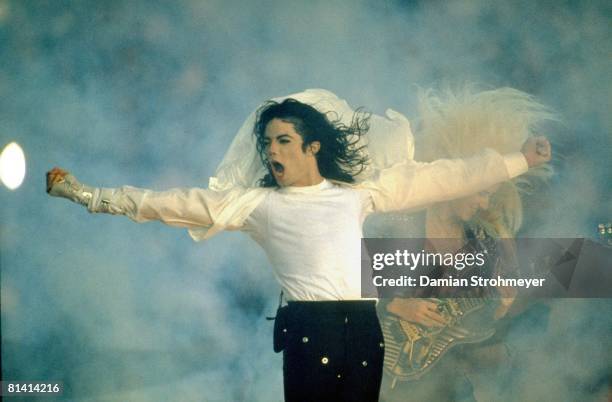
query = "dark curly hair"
{"x": 339, "y": 158}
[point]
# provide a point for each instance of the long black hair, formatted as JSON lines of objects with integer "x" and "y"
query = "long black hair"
{"x": 339, "y": 158}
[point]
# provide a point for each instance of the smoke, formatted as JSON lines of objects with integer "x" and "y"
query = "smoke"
{"x": 150, "y": 93}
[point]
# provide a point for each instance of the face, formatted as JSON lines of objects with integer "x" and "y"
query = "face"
{"x": 465, "y": 208}
{"x": 289, "y": 163}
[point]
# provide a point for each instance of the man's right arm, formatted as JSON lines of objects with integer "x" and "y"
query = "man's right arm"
{"x": 189, "y": 208}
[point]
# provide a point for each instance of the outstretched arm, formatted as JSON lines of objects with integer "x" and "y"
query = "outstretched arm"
{"x": 178, "y": 207}
{"x": 413, "y": 185}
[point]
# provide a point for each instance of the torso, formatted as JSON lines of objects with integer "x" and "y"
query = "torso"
{"x": 312, "y": 236}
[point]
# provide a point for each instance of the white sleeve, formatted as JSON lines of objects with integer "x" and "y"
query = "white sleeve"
{"x": 413, "y": 185}
{"x": 516, "y": 164}
{"x": 203, "y": 211}
{"x": 193, "y": 207}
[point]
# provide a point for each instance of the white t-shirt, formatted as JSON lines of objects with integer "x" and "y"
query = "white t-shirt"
{"x": 312, "y": 237}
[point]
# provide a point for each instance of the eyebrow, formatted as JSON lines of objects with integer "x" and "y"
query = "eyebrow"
{"x": 279, "y": 136}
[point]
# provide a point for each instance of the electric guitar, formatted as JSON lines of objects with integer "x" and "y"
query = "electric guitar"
{"x": 411, "y": 350}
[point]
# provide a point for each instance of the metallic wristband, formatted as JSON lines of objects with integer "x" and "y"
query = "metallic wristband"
{"x": 70, "y": 188}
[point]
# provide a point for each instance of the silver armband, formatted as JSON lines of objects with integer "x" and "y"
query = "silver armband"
{"x": 106, "y": 206}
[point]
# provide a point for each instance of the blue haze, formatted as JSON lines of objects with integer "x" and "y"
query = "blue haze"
{"x": 150, "y": 93}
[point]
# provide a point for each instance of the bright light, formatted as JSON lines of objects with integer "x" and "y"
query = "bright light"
{"x": 12, "y": 166}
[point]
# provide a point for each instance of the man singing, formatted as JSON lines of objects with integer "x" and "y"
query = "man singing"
{"x": 315, "y": 189}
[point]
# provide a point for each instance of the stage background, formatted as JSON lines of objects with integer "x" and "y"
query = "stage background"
{"x": 150, "y": 94}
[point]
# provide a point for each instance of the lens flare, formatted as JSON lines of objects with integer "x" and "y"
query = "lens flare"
{"x": 12, "y": 166}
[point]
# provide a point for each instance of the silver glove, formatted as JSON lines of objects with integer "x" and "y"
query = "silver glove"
{"x": 71, "y": 189}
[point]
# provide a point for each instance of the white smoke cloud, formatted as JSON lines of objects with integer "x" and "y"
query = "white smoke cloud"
{"x": 151, "y": 94}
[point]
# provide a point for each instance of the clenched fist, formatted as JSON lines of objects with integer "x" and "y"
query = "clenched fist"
{"x": 55, "y": 176}
{"x": 537, "y": 151}
{"x": 60, "y": 183}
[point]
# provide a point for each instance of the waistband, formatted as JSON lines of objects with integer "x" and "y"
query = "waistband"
{"x": 340, "y": 306}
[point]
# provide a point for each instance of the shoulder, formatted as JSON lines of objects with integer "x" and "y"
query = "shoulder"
{"x": 352, "y": 189}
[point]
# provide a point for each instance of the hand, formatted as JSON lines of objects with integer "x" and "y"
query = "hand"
{"x": 55, "y": 176}
{"x": 418, "y": 311}
{"x": 537, "y": 151}
{"x": 60, "y": 183}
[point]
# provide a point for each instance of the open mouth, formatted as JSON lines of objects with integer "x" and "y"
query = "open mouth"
{"x": 277, "y": 167}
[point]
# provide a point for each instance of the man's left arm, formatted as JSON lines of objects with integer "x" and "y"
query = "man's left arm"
{"x": 413, "y": 185}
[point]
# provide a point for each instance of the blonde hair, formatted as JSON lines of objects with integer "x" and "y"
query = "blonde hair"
{"x": 460, "y": 123}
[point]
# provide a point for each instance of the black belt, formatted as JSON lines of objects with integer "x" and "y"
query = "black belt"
{"x": 331, "y": 307}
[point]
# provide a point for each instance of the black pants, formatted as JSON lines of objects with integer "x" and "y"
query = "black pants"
{"x": 334, "y": 352}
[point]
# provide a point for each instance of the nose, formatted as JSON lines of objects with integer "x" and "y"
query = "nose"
{"x": 271, "y": 149}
